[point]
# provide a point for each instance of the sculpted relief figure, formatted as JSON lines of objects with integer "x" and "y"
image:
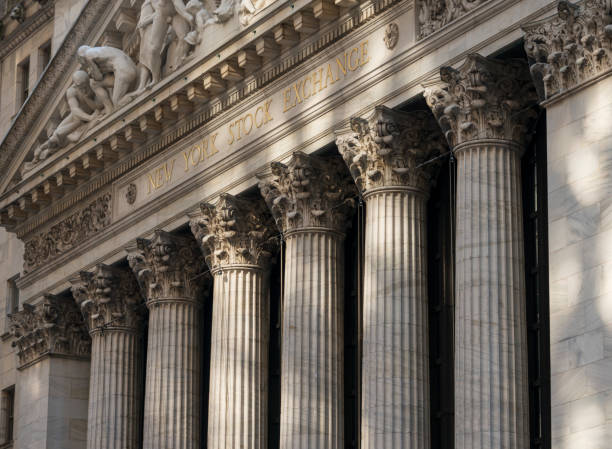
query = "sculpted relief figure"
{"x": 85, "y": 107}
{"x": 109, "y": 69}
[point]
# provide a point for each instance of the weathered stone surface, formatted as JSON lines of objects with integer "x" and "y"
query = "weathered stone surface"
{"x": 52, "y": 327}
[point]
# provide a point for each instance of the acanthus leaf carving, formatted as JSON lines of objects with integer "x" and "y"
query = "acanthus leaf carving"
{"x": 168, "y": 267}
{"x": 109, "y": 298}
{"x": 390, "y": 147}
{"x": 54, "y": 326}
{"x": 310, "y": 191}
{"x": 235, "y": 231}
{"x": 67, "y": 234}
{"x": 485, "y": 98}
{"x": 571, "y": 47}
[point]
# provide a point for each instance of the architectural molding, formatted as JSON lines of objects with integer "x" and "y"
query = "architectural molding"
{"x": 309, "y": 192}
{"x": 485, "y": 98}
{"x": 235, "y": 231}
{"x": 68, "y": 233}
{"x": 52, "y": 327}
{"x": 571, "y": 47}
{"x": 389, "y": 148}
{"x": 167, "y": 267}
{"x": 109, "y": 298}
{"x": 26, "y": 29}
{"x": 435, "y": 14}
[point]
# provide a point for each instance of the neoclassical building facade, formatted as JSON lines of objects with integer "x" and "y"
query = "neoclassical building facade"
{"x": 328, "y": 224}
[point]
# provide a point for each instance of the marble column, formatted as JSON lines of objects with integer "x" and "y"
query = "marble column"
{"x": 113, "y": 311}
{"x": 238, "y": 237}
{"x": 484, "y": 113}
{"x": 384, "y": 153}
{"x": 311, "y": 198}
{"x": 169, "y": 269}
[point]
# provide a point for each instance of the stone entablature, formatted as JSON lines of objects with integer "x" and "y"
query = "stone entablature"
{"x": 109, "y": 298}
{"x": 13, "y": 31}
{"x": 54, "y": 326}
{"x": 157, "y": 121}
{"x": 571, "y": 47}
{"x": 389, "y": 147}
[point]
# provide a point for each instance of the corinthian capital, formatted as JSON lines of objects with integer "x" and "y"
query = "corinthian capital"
{"x": 571, "y": 47}
{"x": 485, "y": 98}
{"x": 52, "y": 327}
{"x": 167, "y": 267}
{"x": 388, "y": 148}
{"x": 309, "y": 191}
{"x": 234, "y": 232}
{"x": 109, "y": 298}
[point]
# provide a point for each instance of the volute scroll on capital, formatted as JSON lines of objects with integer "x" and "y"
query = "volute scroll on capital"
{"x": 168, "y": 267}
{"x": 571, "y": 47}
{"x": 485, "y": 98}
{"x": 109, "y": 298}
{"x": 235, "y": 231}
{"x": 391, "y": 148}
{"x": 54, "y": 326}
{"x": 309, "y": 192}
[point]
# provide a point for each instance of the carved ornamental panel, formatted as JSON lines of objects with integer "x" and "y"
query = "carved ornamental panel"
{"x": 52, "y": 327}
{"x": 434, "y": 14}
{"x": 571, "y": 47}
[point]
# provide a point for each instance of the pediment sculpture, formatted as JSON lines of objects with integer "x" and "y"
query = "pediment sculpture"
{"x": 169, "y": 33}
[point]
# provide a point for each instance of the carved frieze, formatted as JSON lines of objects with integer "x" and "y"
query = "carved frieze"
{"x": 389, "y": 148}
{"x": 485, "y": 98}
{"x": 235, "y": 231}
{"x": 309, "y": 191}
{"x": 52, "y": 327}
{"x": 109, "y": 298}
{"x": 67, "y": 234}
{"x": 167, "y": 267}
{"x": 434, "y": 14}
{"x": 571, "y": 47}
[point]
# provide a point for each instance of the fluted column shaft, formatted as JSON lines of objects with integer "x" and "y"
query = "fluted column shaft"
{"x": 114, "y": 415}
{"x": 395, "y": 401}
{"x": 238, "y": 402}
{"x": 172, "y": 391}
{"x": 491, "y": 391}
{"x": 312, "y": 393}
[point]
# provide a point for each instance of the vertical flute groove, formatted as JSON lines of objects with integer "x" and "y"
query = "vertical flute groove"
{"x": 395, "y": 404}
{"x": 491, "y": 393}
{"x": 312, "y": 396}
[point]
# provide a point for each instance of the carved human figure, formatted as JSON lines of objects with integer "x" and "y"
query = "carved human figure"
{"x": 155, "y": 16}
{"x": 202, "y": 19}
{"x": 85, "y": 108}
{"x": 109, "y": 68}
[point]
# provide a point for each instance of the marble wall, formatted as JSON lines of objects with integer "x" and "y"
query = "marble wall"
{"x": 580, "y": 238}
{"x": 51, "y": 405}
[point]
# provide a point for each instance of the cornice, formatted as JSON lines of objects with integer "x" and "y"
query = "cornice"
{"x": 26, "y": 29}
{"x": 117, "y": 124}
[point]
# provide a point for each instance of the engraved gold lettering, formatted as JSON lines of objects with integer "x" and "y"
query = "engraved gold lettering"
{"x": 247, "y": 129}
{"x": 304, "y": 96}
{"x": 341, "y": 65}
{"x": 296, "y": 90}
{"x": 329, "y": 75}
{"x": 365, "y": 58}
{"x": 215, "y": 150}
{"x": 231, "y": 138}
{"x": 259, "y": 109}
{"x": 287, "y": 99}
{"x": 194, "y": 161}
{"x": 186, "y": 156}
{"x": 352, "y": 67}
{"x": 169, "y": 172}
{"x": 316, "y": 81}
{"x": 268, "y": 117}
